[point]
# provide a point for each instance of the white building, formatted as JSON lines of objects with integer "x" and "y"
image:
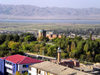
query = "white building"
{"x": 49, "y": 68}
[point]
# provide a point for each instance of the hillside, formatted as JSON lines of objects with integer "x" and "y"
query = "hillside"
{"x": 34, "y": 12}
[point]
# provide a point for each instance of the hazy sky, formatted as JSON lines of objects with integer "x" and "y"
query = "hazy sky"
{"x": 56, "y": 3}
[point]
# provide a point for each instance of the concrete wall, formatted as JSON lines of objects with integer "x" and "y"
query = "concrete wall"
{"x": 33, "y": 71}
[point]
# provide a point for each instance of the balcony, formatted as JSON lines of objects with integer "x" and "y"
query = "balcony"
{"x": 9, "y": 66}
{"x": 9, "y": 71}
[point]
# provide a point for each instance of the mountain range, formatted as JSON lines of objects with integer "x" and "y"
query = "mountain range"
{"x": 34, "y": 12}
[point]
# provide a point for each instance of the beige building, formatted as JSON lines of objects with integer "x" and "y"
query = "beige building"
{"x": 41, "y": 33}
{"x": 49, "y": 68}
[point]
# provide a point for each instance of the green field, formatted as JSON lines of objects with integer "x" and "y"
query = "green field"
{"x": 53, "y": 26}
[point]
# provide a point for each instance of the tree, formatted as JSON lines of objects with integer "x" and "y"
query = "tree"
{"x": 80, "y": 45}
{"x": 74, "y": 54}
{"x": 79, "y": 48}
{"x": 16, "y": 37}
{"x": 2, "y": 38}
{"x": 13, "y": 45}
{"x": 1, "y": 53}
{"x": 90, "y": 36}
{"x": 97, "y": 58}
{"x": 52, "y": 51}
{"x": 63, "y": 54}
{"x": 68, "y": 49}
{"x": 37, "y": 48}
{"x": 26, "y": 46}
{"x": 73, "y": 46}
{"x": 25, "y": 73}
{"x": 89, "y": 57}
{"x": 18, "y": 73}
{"x": 83, "y": 57}
{"x": 29, "y": 38}
{"x": 86, "y": 47}
{"x": 78, "y": 37}
{"x": 42, "y": 50}
{"x": 4, "y": 46}
{"x": 9, "y": 37}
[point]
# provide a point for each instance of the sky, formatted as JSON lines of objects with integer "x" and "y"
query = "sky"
{"x": 56, "y": 3}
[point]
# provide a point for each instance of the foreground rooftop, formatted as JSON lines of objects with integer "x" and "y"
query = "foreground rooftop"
{"x": 57, "y": 69}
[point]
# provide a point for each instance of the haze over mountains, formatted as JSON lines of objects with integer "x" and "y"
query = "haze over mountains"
{"x": 34, "y": 12}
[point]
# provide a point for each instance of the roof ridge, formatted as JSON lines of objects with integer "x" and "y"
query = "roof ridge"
{"x": 5, "y": 58}
{"x": 23, "y": 59}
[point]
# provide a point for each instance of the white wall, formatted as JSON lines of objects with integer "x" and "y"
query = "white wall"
{"x": 33, "y": 71}
{"x": 9, "y": 71}
{"x": 8, "y": 65}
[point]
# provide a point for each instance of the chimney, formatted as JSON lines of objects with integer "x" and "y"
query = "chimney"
{"x": 59, "y": 55}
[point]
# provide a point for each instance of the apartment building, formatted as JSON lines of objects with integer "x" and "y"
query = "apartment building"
{"x": 11, "y": 64}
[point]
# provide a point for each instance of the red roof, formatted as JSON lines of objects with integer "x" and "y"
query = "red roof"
{"x": 19, "y": 59}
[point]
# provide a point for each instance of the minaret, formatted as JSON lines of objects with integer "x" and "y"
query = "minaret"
{"x": 59, "y": 55}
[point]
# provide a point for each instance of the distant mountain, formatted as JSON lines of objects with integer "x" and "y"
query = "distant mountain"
{"x": 33, "y": 12}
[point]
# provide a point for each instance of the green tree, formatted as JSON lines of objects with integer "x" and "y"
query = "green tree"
{"x": 86, "y": 47}
{"x": 26, "y": 46}
{"x": 2, "y": 38}
{"x": 97, "y": 58}
{"x": 4, "y": 46}
{"x": 90, "y": 36}
{"x": 16, "y": 37}
{"x": 9, "y": 37}
{"x": 73, "y": 46}
{"x": 43, "y": 39}
{"x": 18, "y": 73}
{"x": 25, "y": 73}
{"x": 68, "y": 49}
{"x": 52, "y": 51}
{"x": 13, "y": 45}
{"x": 89, "y": 57}
{"x": 83, "y": 57}
{"x": 37, "y": 48}
{"x": 29, "y": 38}
{"x": 42, "y": 50}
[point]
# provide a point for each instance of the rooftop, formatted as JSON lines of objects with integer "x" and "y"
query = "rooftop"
{"x": 19, "y": 59}
{"x": 57, "y": 69}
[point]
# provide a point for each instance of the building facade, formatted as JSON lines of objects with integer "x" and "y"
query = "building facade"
{"x": 41, "y": 33}
{"x": 11, "y": 64}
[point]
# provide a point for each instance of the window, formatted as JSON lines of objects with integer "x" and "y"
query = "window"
{"x": 8, "y": 63}
{"x": 25, "y": 66}
{"x": 38, "y": 71}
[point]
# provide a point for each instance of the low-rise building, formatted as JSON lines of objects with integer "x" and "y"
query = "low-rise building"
{"x": 49, "y": 68}
{"x": 53, "y": 36}
{"x": 11, "y": 64}
{"x": 70, "y": 62}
